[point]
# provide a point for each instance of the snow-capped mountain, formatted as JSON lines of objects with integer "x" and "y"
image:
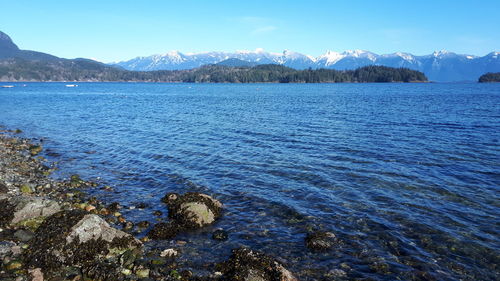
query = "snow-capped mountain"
{"x": 439, "y": 66}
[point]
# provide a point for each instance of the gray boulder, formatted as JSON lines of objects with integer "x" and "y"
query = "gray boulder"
{"x": 77, "y": 238}
{"x": 27, "y": 211}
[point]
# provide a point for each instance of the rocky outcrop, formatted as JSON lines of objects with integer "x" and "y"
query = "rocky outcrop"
{"x": 192, "y": 210}
{"x": 76, "y": 238}
{"x": 248, "y": 265}
{"x": 26, "y": 210}
{"x": 189, "y": 211}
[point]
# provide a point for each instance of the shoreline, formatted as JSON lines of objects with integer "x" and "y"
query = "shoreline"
{"x": 52, "y": 229}
{"x": 222, "y": 83}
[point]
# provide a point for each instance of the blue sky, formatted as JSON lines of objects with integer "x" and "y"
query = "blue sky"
{"x": 114, "y": 30}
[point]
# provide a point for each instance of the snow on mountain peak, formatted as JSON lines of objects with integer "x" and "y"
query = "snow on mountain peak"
{"x": 330, "y": 57}
{"x": 441, "y": 53}
{"x": 256, "y": 51}
{"x": 360, "y": 54}
{"x": 405, "y": 56}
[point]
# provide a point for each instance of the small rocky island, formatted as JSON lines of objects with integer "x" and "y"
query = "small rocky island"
{"x": 53, "y": 230}
{"x": 489, "y": 77}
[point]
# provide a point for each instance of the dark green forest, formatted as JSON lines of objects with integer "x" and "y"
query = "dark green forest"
{"x": 80, "y": 70}
{"x": 489, "y": 77}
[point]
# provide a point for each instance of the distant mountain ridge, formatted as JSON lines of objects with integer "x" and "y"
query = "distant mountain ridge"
{"x": 9, "y": 50}
{"x": 440, "y": 66}
{"x": 25, "y": 65}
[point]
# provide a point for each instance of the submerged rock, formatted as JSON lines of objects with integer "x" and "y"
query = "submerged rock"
{"x": 26, "y": 210}
{"x": 163, "y": 231}
{"x": 220, "y": 235}
{"x": 192, "y": 210}
{"x": 245, "y": 264}
{"x": 320, "y": 241}
{"x": 76, "y": 238}
{"x": 35, "y": 149}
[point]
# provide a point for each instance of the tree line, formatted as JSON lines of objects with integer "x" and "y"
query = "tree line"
{"x": 489, "y": 77}
{"x": 86, "y": 70}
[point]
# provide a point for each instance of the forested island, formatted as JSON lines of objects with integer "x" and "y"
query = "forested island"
{"x": 80, "y": 70}
{"x": 489, "y": 77}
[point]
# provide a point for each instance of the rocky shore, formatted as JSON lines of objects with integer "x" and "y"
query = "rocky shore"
{"x": 53, "y": 230}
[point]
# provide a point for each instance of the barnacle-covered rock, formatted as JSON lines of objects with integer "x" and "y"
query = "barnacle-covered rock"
{"x": 192, "y": 210}
{"x": 248, "y": 265}
{"x": 76, "y": 238}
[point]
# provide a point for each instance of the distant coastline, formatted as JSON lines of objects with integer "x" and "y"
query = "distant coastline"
{"x": 20, "y": 70}
{"x": 490, "y": 78}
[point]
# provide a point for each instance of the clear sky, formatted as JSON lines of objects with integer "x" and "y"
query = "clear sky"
{"x": 112, "y": 30}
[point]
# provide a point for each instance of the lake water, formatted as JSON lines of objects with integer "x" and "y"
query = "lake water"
{"x": 406, "y": 175}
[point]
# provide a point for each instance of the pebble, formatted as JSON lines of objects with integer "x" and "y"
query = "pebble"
{"x": 36, "y": 274}
{"x": 142, "y": 273}
{"x": 180, "y": 242}
{"x": 169, "y": 253}
{"x": 13, "y": 265}
{"x": 89, "y": 208}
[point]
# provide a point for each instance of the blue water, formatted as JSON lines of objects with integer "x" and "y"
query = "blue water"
{"x": 406, "y": 175}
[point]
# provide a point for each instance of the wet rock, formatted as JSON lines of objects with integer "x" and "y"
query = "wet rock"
{"x": 3, "y": 188}
{"x": 26, "y": 189}
{"x": 142, "y": 272}
{"x": 163, "y": 231}
{"x": 220, "y": 235}
{"x": 143, "y": 224}
{"x": 76, "y": 181}
{"x": 36, "y": 274}
{"x": 6, "y": 248}
{"x": 336, "y": 273}
{"x": 101, "y": 271}
{"x": 248, "y": 265}
{"x": 141, "y": 205}
{"x": 76, "y": 238}
{"x": 26, "y": 210}
{"x": 192, "y": 210}
{"x": 35, "y": 149}
{"x": 113, "y": 207}
{"x": 128, "y": 225}
{"x": 320, "y": 240}
{"x": 24, "y": 235}
{"x": 128, "y": 258}
{"x": 169, "y": 253}
{"x": 13, "y": 265}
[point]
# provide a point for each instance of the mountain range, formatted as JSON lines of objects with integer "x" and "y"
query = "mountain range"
{"x": 23, "y": 65}
{"x": 442, "y": 66}
{"x": 17, "y": 64}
